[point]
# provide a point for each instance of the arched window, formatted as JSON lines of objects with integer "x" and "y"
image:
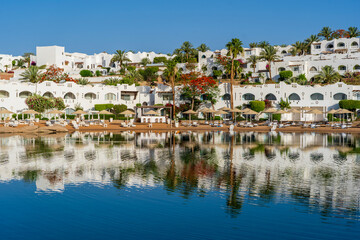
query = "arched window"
{"x": 284, "y": 52}
{"x": 341, "y": 44}
{"x": 226, "y": 96}
{"x": 48, "y": 94}
{"x": 340, "y": 96}
{"x": 203, "y": 56}
{"x": 90, "y": 96}
{"x": 281, "y": 69}
{"x": 330, "y": 45}
{"x": 4, "y": 94}
{"x": 357, "y": 67}
{"x": 294, "y": 97}
{"x": 214, "y": 68}
{"x": 144, "y": 104}
{"x": 248, "y": 97}
{"x": 25, "y": 94}
{"x": 110, "y": 96}
{"x": 354, "y": 44}
{"x": 342, "y": 68}
{"x": 270, "y": 97}
{"x": 313, "y": 69}
{"x": 69, "y": 95}
{"x": 317, "y": 96}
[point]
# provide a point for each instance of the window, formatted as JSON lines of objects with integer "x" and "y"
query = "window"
{"x": 270, "y": 97}
{"x": 317, "y": 96}
{"x": 281, "y": 69}
{"x": 90, "y": 96}
{"x": 226, "y": 96}
{"x": 354, "y": 44}
{"x": 203, "y": 56}
{"x": 248, "y": 97}
{"x": 296, "y": 69}
{"x": 294, "y": 97}
{"x": 48, "y": 94}
{"x": 125, "y": 97}
{"x": 313, "y": 69}
{"x": 357, "y": 67}
{"x": 317, "y": 46}
{"x": 342, "y": 68}
{"x": 4, "y": 94}
{"x": 330, "y": 45}
{"x": 284, "y": 52}
{"x": 340, "y": 96}
{"x": 110, "y": 96}
{"x": 69, "y": 95}
{"x": 25, "y": 94}
{"x": 341, "y": 44}
{"x": 167, "y": 97}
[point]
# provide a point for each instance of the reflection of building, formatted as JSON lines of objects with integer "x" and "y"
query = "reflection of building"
{"x": 308, "y": 165}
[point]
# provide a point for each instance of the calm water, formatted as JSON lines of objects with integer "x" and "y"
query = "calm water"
{"x": 175, "y": 186}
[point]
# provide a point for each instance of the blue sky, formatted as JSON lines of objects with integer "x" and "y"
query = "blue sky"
{"x": 93, "y": 26}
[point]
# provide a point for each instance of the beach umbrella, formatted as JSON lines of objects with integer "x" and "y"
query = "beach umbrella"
{"x": 204, "y": 111}
{"x": 235, "y": 110}
{"x": 293, "y": 111}
{"x": 280, "y": 111}
{"x": 332, "y": 112}
{"x": 315, "y": 112}
{"x": 55, "y": 112}
{"x": 151, "y": 112}
{"x": 303, "y": 109}
{"x": 270, "y": 111}
{"x": 249, "y": 112}
{"x": 127, "y": 113}
{"x": 224, "y": 109}
{"x": 190, "y": 112}
{"x": 220, "y": 112}
{"x": 30, "y": 112}
{"x": 104, "y": 112}
{"x": 79, "y": 112}
{"x": 211, "y": 111}
{"x": 342, "y": 112}
{"x": 5, "y": 112}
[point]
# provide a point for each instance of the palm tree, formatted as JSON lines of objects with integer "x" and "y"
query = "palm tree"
{"x": 234, "y": 48}
{"x": 353, "y": 32}
{"x": 269, "y": 54}
{"x": 32, "y": 74}
{"x": 203, "y": 48}
{"x": 326, "y": 33}
{"x": 187, "y": 49}
{"x": 134, "y": 75}
{"x": 263, "y": 44}
{"x": 253, "y": 45}
{"x": 120, "y": 57}
{"x": 253, "y": 60}
{"x": 145, "y": 61}
{"x": 300, "y": 47}
{"x": 171, "y": 73}
{"x": 313, "y": 38}
{"x": 26, "y": 57}
{"x": 328, "y": 75}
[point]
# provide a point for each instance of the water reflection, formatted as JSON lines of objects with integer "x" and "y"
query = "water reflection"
{"x": 318, "y": 171}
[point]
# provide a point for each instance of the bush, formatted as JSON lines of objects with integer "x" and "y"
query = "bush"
{"x": 100, "y": 107}
{"x": 351, "y": 105}
{"x": 257, "y": 106}
{"x": 276, "y": 117}
{"x": 131, "y": 68}
{"x": 40, "y": 103}
{"x": 285, "y": 75}
{"x": 160, "y": 60}
{"x": 218, "y": 118}
{"x": 138, "y": 104}
{"x": 86, "y": 73}
{"x": 98, "y": 73}
{"x": 217, "y": 73}
{"x": 119, "y": 108}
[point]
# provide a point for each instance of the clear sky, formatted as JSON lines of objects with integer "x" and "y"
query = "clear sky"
{"x": 92, "y": 26}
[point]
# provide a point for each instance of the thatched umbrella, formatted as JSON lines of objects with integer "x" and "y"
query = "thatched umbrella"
{"x": 280, "y": 112}
{"x": 249, "y": 112}
{"x": 342, "y": 112}
{"x": 30, "y": 112}
{"x": 104, "y": 112}
{"x": 220, "y": 112}
{"x": 332, "y": 112}
{"x": 293, "y": 111}
{"x": 5, "y": 112}
{"x": 235, "y": 110}
{"x": 270, "y": 111}
{"x": 79, "y": 112}
{"x": 224, "y": 109}
{"x": 127, "y": 113}
{"x": 151, "y": 112}
{"x": 303, "y": 109}
{"x": 315, "y": 112}
{"x": 211, "y": 111}
{"x": 190, "y": 112}
{"x": 204, "y": 111}
{"x": 55, "y": 112}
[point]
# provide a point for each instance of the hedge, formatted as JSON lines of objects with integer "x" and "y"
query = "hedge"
{"x": 86, "y": 73}
{"x": 351, "y": 105}
{"x": 100, "y": 107}
{"x": 276, "y": 117}
{"x": 285, "y": 75}
{"x": 257, "y": 106}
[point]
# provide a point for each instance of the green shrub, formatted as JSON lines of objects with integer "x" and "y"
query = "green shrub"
{"x": 100, "y": 107}
{"x": 257, "y": 106}
{"x": 217, "y": 73}
{"x": 351, "y": 105}
{"x": 160, "y": 60}
{"x": 276, "y": 117}
{"x": 98, "y": 73}
{"x": 131, "y": 68}
{"x": 119, "y": 108}
{"x": 40, "y": 103}
{"x": 138, "y": 104}
{"x": 218, "y": 118}
{"x": 285, "y": 75}
{"x": 86, "y": 73}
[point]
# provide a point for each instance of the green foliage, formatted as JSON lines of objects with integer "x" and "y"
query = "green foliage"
{"x": 160, "y": 60}
{"x": 138, "y": 104}
{"x": 149, "y": 74}
{"x": 257, "y": 106}
{"x": 284, "y": 104}
{"x": 78, "y": 107}
{"x": 116, "y": 81}
{"x": 119, "y": 108}
{"x": 351, "y": 105}
{"x": 301, "y": 80}
{"x": 98, "y": 73}
{"x": 86, "y": 73}
{"x": 100, "y": 107}
{"x": 217, "y": 73}
{"x": 285, "y": 75}
{"x": 276, "y": 117}
{"x": 131, "y": 68}
{"x": 83, "y": 81}
{"x": 40, "y": 103}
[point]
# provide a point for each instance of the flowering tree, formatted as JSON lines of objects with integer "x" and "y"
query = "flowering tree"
{"x": 195, "y": 87}
{"x": 56, "y": 74}
{"x": 40, "y": 103}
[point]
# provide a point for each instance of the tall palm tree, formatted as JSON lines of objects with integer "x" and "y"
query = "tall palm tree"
{"x": 269, "y": 54}
{"x": 120, "y": 57}
{"x": 234, "y": 48}
{"x": 326, "y": 33}
{"x": 263, "y": 44}
{"x": 171, "y": 73}
{"x": 328, "y": 75}
{"x": 32, "y": 74}
{"x": 353, "y": 32}
{"x": 188, "y": 49}
{"x": 203, "y": 48}
{"x": 253, "y": 60}
{"x": 309, "y": 41}
{"x": 300, "y": 47}
{"x": 145, "y": 61}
